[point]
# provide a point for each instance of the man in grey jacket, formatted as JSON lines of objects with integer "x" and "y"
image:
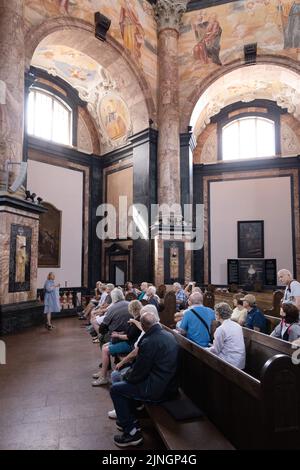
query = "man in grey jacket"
{"x": 152, "y": 378}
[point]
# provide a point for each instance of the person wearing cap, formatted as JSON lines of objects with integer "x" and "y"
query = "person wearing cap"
{"x": 255, "y": 319}
{"x": 292, "y": 290}
{"x": 289, "y": 327}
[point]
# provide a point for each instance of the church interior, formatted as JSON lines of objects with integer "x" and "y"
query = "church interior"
{"x": 149, "y": 153}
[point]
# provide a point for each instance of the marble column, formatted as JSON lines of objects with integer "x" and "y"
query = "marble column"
{"x": 12, "y": 63}
{"x": 168, "y": 15}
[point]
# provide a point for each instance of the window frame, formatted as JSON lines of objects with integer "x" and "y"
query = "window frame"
{"x": 273, "y": 113}
{"x": 55, "y": 98}
{"x": 238, "y": 119}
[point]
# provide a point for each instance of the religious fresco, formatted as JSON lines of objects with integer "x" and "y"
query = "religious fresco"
{"x": 208, "y": 35}
{"x": 290, "y": 18}
{"x": 215, "y": 36}
{"x": 132, "y": 24}
{"x": 115, "y": 117}
{"x": 94, "y": 85}
{"x": 72, "y": 66}
{"x": 260, "y": 81}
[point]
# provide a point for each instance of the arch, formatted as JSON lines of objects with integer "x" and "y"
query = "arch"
{"x": 36, "y": 34}
{"x": 191, "y": 102}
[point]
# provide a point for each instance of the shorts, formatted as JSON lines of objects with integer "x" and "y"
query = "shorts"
{"x": 119, "y": 348}
{"x": 99, "y": 319}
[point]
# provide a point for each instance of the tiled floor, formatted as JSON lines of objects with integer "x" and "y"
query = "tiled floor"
{"x": 46, "y": 400}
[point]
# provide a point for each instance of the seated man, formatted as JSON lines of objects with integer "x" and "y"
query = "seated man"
{"x": 181, "y": 297}
{"x": 152, "y": 378}
{"x": 229, "y": 342}
{"x": 255, "y": 319}
{"x": 292, "y": 289}
{"x": 197, "y": 321}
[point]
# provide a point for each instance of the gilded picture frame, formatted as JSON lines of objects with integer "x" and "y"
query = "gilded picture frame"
{"x": 50, "y": 237}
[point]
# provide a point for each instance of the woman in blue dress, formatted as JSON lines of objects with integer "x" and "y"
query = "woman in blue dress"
{"x": 51, "y": 300}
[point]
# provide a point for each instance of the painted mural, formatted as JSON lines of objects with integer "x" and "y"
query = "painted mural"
{"x": 208, "y": 35}
{"x": 133, "y": 25}
{"x": 115, "y": 117}
{"x": 94, "y": 85}
{"x": 215, "y": 36}
{"x": 290, "y": 19}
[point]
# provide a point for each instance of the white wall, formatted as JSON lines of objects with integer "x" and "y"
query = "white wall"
{"x": 62, "y": 188}
{"x": 267, "y": 199}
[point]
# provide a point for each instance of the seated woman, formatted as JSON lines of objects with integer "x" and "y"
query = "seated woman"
{"x": 85, "y": 315}
{"x": 152, "y": 298}
{"x": 121, "y": 343}
{"x": 228, "y": 339}
{"x": 131, "y": 291}
{"x": 289, "y": 327}
{"x": 239, "y": 313}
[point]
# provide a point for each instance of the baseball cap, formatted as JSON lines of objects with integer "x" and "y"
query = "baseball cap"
{"x": 249, "y": 298}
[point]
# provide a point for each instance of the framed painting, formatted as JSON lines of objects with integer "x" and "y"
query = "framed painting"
{"x": 19, "y": 260}
{"x": 251, "y": 239}
{"x": 49, "y": 237}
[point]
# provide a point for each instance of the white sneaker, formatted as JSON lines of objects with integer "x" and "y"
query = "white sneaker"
{"x": 97, "y": 375}
{"x": 112, "y": 414}
{"x": 99, "y": 382}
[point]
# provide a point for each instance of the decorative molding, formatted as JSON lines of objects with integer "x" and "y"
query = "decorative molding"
{"x": 201, "y": 4}
{"x": 248, "y": 165}
{"x": 168, "y": 13}
{"x": 21, "y": 204}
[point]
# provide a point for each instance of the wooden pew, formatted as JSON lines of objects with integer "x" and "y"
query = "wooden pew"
{"x": 209, "y": 299}
{"x": 258, "y": 408}
{"x": 274, "y": 311}
{"x": 167, "y": 314}
{"x": 272, "y": 322}
{"x": 199, "y": 434}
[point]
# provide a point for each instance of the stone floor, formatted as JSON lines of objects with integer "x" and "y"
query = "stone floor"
{"x": 46, "y": 400}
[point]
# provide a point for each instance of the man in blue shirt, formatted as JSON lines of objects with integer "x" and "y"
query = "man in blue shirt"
{"x": 194, "y": 328}
{"x": 255, "y": 319}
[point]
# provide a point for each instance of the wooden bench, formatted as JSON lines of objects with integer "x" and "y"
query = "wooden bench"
{"x": 200, "y": 434}
{"x": 258, "y": 408}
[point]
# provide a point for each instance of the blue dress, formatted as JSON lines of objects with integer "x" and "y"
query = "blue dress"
{"x": 51, "y": 300}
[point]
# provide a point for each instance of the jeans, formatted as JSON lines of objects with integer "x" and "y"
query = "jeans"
{"x": 124, "y": 396}
{"x": 117, "y": 375}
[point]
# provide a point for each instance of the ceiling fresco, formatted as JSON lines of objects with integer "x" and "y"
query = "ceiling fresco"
{"x": 247, "y": 84}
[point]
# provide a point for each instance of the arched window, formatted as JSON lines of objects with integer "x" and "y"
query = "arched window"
{"x": 48, "y": 117}
{"x": 248, "y": 137}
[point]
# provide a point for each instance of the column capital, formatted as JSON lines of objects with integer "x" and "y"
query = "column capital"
{"x": 168, "y": 13}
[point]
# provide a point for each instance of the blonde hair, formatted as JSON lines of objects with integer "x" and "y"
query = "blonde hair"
{"x": 135, "y": 308}
{"x": 49, "y": 275}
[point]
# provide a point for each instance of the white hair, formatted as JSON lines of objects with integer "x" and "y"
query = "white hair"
{"x": 149, "y": 308}
{"x": 152, "y": 290}
{"x": 196, "y": 298}
{"x": 148, "y": 319}
{"x": 116, "y": 295}
{"x": 177, "y": 285}
{"x": 284, "y": 271}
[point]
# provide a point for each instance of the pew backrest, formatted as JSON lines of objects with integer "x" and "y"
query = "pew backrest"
{"x": 255, "y": 408}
